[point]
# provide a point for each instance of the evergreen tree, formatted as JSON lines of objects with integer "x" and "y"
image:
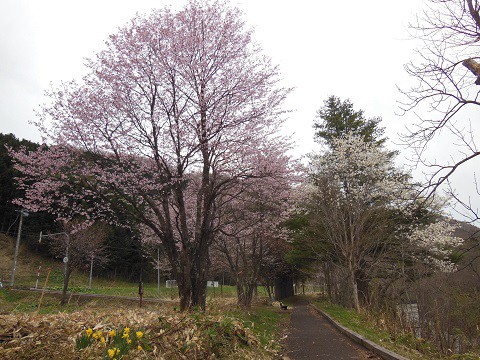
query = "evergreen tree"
{"x": 8, "y": 188}
{"x": 338, "y": 118}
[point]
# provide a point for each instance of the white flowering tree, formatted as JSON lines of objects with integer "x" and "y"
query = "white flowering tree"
{"x": 355, "y": 190}
{"x": 363, "y": 209}
{"x": 436, "y": 244}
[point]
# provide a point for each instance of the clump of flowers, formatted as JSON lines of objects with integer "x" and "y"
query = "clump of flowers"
{"x": 439, "y": 243}
{"x": 115, "y": 342}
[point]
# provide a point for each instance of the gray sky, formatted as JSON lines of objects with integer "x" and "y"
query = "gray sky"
{"x": 352, "y": 49}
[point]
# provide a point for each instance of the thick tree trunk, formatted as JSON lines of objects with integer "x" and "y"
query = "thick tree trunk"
{"x": 199, "y": 291}
{"x": 193, "y": 294}
{"x": 192, "y": 285}
{"x": 184, "y": 291}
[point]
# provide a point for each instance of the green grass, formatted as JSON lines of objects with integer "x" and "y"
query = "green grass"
{"x": 17, "y": 301}
{"x": 405, "y": 345}
{"x": 28, "y": 263}
{"x": 266, "y": 322}
{"x": 79, "y": 283}
{"x": 354, "y": 321}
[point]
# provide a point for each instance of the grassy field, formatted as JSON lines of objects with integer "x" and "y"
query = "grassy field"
{"x": 28, "y": 264}
{"x": 79, "y": 284}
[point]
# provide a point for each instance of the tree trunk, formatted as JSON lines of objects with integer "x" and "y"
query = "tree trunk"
{"x": 269, "y": 290}
{"x": 199, "y": 291}
{"x": 192, "y": 289}
{"x": 328, "y": 281}
{"x": 245, "y": 294}
{"x": 354, "y": 290}
{"x": 240, "y": 294}
{"x": 66, "y": 279}
{"x": 362, "y": 287}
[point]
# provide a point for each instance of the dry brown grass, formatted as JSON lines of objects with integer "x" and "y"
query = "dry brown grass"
{"x": 27, "y": 261}
{"x": 169, "y": 333}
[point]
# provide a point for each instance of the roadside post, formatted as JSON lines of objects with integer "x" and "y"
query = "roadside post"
{"x": 23, "y": 213}
{"x": 140, "y": 292}
{"x": 49, "y": 270}
{"x": 38, "y": 275}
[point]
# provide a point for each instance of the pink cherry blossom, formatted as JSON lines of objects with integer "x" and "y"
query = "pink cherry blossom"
{"x": 177, "y": 111}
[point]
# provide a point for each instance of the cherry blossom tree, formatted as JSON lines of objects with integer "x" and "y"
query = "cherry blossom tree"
{"x": 252, "y": 238}
{"x": 174, "y": 112}
{"x": 77, "y": 245}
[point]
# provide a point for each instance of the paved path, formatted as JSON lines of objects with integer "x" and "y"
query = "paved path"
{"x": 312, "y": 337}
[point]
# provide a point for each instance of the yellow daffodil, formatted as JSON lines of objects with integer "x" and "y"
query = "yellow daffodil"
{"x": 139, "y": 347}
{"x": 129, "y": 341}
{"x": 139, "y": 334}
{"x": 111, "y": 353}
{"x": 111, "y": 333}
{"x": 125, "y": 336}
{"x": 126, "y": 330}
{"x": 89, "y": 332}
{"x": 102, "y": 339}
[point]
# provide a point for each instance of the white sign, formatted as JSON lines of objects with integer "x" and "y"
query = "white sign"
{"x": 65, "y": 259}
{"x": 171, "y": 283}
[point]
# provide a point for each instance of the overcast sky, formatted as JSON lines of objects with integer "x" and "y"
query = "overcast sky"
{"x": 352, "y": 49}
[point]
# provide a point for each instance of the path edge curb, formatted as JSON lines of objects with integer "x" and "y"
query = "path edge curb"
{"x": 361, "y": 340}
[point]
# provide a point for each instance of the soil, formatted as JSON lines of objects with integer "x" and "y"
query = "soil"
{"x": 312, "y": 337}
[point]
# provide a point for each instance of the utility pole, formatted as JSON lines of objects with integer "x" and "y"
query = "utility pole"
{"x": 66, "y": 261}
{"x": 66, "y": 270}
{"x": 91, "y": 272}
{"x": 17, "y": 245}
{"x": 158, "y": 271}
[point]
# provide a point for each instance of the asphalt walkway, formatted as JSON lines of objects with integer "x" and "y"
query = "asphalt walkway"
{"x": 312, "y": 337}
